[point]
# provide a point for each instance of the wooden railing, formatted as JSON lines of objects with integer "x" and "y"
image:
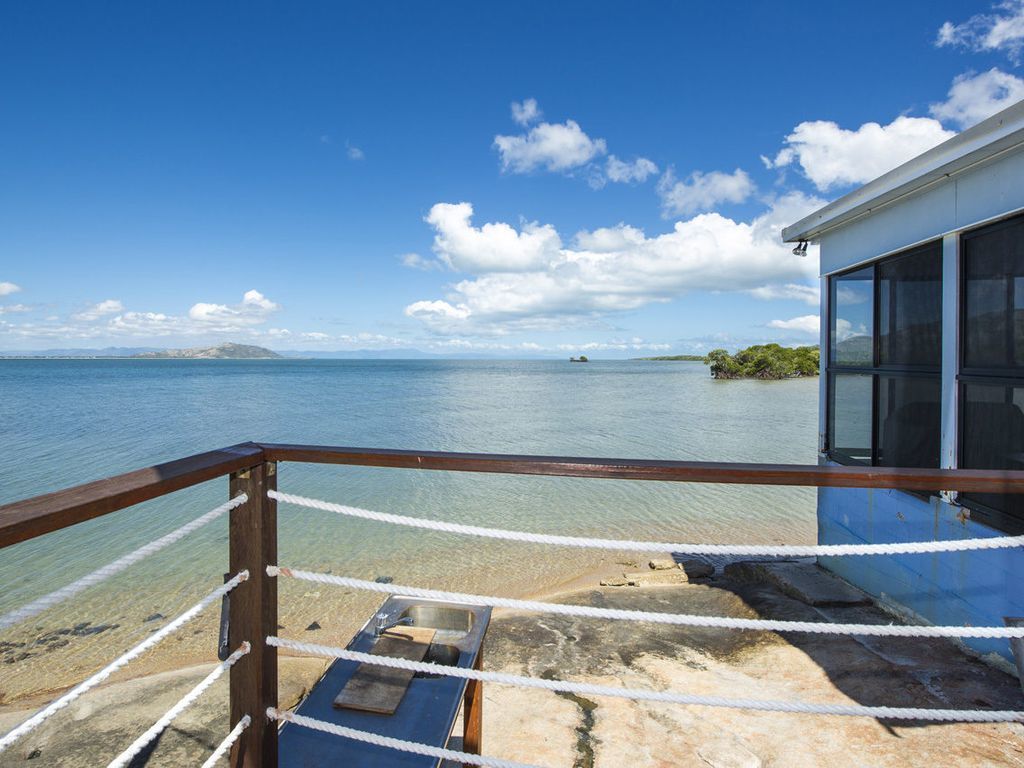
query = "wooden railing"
{"x": 252, "y": 469}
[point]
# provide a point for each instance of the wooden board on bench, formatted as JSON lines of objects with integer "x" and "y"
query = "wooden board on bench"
{"x": 381, "y": 689}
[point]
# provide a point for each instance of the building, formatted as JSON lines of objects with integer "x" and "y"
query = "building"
{"x": 922, "y": 350}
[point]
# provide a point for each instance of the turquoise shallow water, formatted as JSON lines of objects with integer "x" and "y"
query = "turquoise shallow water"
{"x": 68, "y": 421}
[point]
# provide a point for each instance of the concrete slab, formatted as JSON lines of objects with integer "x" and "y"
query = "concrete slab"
{"x": 804, "y": 581}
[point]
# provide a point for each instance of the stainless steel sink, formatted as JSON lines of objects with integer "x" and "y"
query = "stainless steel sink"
{"x": 439, "y": 616}
{"x": 458, "y": 625}
{"x": 441, "y": 654}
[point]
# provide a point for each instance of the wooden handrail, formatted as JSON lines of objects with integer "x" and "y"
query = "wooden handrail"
{"x": 253, "y": 528}
{"x": 26, "y": 519}
{"x": 975, "y": 480}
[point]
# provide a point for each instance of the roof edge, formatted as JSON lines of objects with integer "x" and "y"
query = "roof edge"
{"x": 997, "y": 134}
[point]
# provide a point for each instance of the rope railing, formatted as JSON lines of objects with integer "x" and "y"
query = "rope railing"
{"x": 386, "y": 741}
{"x": 666, "y": 697}
{"x": 229, "y": 741}
{"x": 102, "y": 574}
{"x": 818, "y": 550}
{"x": 42, "y": 715}
{"x": 186, "y": 701}
{"x": 679, "y": 619}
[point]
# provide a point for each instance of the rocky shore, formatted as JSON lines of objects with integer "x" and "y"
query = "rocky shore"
{"x": 552, "y": 729}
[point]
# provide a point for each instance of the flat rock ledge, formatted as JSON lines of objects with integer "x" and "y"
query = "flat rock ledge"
{"x": 663, "y": 572}
{"x": 803, "y": 580}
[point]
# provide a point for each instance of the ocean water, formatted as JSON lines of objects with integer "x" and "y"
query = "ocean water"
{"x": 64, "y": 422}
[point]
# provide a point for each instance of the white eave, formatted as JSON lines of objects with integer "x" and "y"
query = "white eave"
{"x": 1003, "y": 132}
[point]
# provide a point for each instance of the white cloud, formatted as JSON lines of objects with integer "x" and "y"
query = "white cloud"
{"x": 623, "y": 172}
{"x": 353, "y": 152}
{"x": 495, "y": 247}
{"x": 1002, "y": 30}
{"x": 552, "y": 146}
{"x": 6, "y": 289}
{"x": 9, "y": 309}
{"x": 564, "y": 148}
{"x": 415, "y": 261}
{"x": 809, "y": 324}
{"x": 202, "y": 320}
{"x": 972, "y": 97}
{"x": 347, "y": 341}
{"x": 525, "y": 112}
{"x": 809, "y": 294}
{"x": 96, "y": 311}
{"x": 831, "y": 156}
{"x": 437, "y": 311}
{"x": 702, "y": 191}
{"x": 615, "y": 269}
{"x": 254, "y": 309}
{"x": 635, "y": 344}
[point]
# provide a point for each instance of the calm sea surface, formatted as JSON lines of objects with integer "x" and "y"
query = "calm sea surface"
{"x": 68, "y": 421}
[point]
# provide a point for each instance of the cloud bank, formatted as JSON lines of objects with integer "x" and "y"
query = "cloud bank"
{"x": 526, "y": 278}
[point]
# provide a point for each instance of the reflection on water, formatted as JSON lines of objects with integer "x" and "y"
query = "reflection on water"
{"x": 65, "y": 422}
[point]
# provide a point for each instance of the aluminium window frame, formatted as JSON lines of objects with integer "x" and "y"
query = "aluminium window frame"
{"x": 875, "y": 370}
{"x": 1005, "y": 376}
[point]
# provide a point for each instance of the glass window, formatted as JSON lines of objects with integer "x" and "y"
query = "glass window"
{"x": 910, "y": 309}
{"x": 992, "y": 367}
{"x": 909, "y": 418}
{"x": 850, "y": 424}
{"x": 852, "y": 320}
{"x": 993, "y": 299}
{"x": 887, "y": 411}
{"x": 992, "y": 437}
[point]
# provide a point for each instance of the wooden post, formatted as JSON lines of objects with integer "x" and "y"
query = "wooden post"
{"x": 473, "y": 711}
{"x": 253, "y": 544}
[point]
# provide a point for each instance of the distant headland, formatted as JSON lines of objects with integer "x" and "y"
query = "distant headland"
{"x": 675, "y": 358}
{"x": 226, "y": 351}
{"x": 761, "y": 361}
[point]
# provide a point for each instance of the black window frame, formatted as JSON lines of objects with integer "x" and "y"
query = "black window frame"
{"x": 876, "y": 370}
{"x": 1007, "y": 376}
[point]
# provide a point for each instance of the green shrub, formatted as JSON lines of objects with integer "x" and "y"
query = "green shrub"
{"x": 763, "y": 361}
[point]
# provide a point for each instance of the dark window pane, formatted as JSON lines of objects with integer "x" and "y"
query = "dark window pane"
{"x": 993, "y": 267}
{"x": 852, "y": 318}
{"x": 849, "y": 435}
{"x": 992, "y": 437}
{"x": 909, "y": 419}
{"x": 910, "y": 309}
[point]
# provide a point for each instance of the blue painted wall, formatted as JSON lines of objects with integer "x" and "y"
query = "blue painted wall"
{"x": 957, "y": 588}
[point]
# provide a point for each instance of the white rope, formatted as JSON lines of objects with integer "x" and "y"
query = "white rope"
{"x": 386, "y": 741}
{"x": 48, "y": 601}
{"x": 229, "y": 740}
{"x": 184, "y": 703}
{"x": 668, "y": 697}
{"x": 680, "y": 619}
{"x": 997, "y": 542}
{"x": 120, "y": 661}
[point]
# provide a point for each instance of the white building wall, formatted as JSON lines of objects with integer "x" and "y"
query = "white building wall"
{"x": 969, "y": 588}
{"x": 989, "y": 190}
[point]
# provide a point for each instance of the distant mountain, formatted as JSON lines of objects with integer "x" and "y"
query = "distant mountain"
{"x": 226, "y": 351}
{"x": 855, "y": 350}
{"x": 399, "y": 353}
{"x": 71, "y": 352}
{"x": 674, "y": 358}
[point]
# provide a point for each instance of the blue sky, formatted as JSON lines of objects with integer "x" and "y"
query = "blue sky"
{"x": 522, "y": 179}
